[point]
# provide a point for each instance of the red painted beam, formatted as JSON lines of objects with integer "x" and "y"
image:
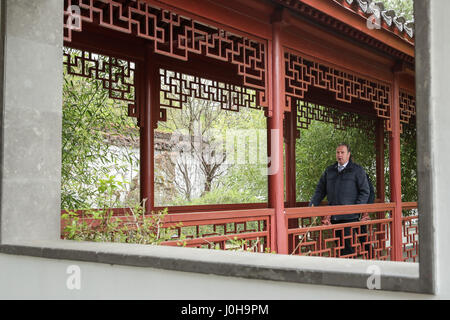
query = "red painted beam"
{"x": 358, "y": 22}
{"x": 321, "y": 46}
{"x": 251, "y": 16}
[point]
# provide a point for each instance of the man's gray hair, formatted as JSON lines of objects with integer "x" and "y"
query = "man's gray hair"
{"x": 344, "y": 144}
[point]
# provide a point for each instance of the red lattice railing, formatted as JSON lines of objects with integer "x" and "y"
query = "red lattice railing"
{"x": 410, "y": 232}
{"x": 247, "y": 230}
{"x": 371, "y": 239}
{"x": 240, "y": 230}
{"x": 368, "y": 240}
{"x": 250, "y": 230}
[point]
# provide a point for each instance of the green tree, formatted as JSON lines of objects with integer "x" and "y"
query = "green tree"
{"x": 401, "y": 7}
{"x": 316, "y": 150}
{"x": 202, "y": 171}
{"x": 408, "y": 154}
{"x": 93, "y": 124}
{"x": 236, "y": 180}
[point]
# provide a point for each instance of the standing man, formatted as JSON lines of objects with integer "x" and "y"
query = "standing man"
{"x": 343, "y": 183}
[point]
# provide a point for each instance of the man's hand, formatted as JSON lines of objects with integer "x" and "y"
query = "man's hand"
{"x": 365, "y": 217}
{"x": 326, "y": 220}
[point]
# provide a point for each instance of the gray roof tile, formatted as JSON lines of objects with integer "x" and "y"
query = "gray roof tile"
{"x": 393, "y": 22}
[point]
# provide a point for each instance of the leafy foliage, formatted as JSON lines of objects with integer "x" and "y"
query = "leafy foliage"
{"x": 102, "y": 226}
{"x": 402, "y": 7}
{"x": 91, "y": 120}
{"x": 408, "y": 154}
{"x": 207, "y": 174}
{"x": 92, "y": 125}
{"x": 316, "y": 150}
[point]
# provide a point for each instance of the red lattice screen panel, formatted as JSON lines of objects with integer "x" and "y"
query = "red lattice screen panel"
{"x": 407, "y": 107}
{"x": 116, "y": 75}
{"x": 173, "y": 34}
{"x": 301, "y": 74}
{"x": 177, "y": 88}
{"x": 307, "y": 112}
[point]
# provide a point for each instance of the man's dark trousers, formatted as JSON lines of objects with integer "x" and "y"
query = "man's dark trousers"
{"x": 348, "y": 248}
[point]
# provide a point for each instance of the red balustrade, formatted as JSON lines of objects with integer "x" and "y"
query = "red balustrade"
{"x": 410, "y": 232}
{"x": 369, "y": 239}
{"x": 251, "y": 230}
{"x": 247, "y": 230}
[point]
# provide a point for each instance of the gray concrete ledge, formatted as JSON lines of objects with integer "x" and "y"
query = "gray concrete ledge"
{"x": 395, "y": 276}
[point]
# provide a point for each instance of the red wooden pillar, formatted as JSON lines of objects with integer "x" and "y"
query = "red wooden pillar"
{"x": 291, "y": 129}
{"x": 270, "y": 187}
{"x": 150, "y": 98}
{"x": 395, "y": 171}
{"x": 291, "y": 194}
{"x": 381, "y": 186}
{"x": 379, "y": 147}
{"x": 275, "y": 126}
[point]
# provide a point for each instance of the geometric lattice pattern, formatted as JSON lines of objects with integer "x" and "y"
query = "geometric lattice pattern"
{"x": 307, "y": 112}
{"x": 177, "y": 87}
{"x": 410, "y": 232}
{"x": 116, "y": 75}
{"x": 236, "y": 231}
{"x": 246, "y": 235}
{"x": 173, "y": 35}
{"x": 407, "y": 107}
{"x": 371, "y": 239}
{"x": 362, "y": 240}
{"x": 301, "y": 74}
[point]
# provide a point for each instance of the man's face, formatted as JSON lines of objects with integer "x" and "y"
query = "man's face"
{"x": 342, "y": 155}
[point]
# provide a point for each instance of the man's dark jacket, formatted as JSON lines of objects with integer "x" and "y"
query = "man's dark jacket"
{"x": 350, "y": 186}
